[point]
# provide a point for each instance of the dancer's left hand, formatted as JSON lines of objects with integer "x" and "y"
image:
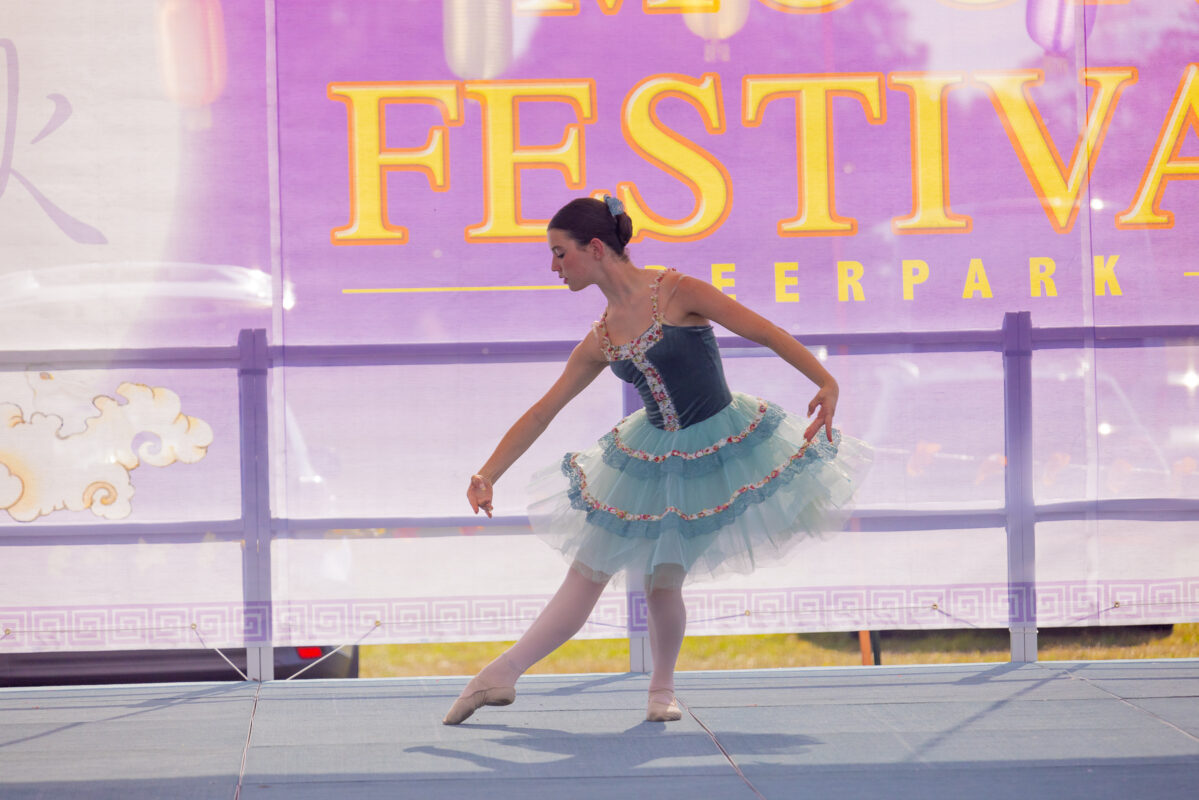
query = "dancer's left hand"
{"x": 479, "y": 494}
{"x": 826, "y": 401}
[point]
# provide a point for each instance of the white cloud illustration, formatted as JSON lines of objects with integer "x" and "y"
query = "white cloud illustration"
{"x": 43, "y": 471}
{"x": 10, "y": 486}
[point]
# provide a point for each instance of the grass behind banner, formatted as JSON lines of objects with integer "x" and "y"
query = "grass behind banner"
{"x": 804, "y": 650}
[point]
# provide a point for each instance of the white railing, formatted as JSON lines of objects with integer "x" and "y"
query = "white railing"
{"x": 253, "y": 358}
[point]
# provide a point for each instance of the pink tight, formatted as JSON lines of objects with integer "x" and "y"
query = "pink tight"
{"x": 667, "y": 625}
{"x": 569, "y": 609}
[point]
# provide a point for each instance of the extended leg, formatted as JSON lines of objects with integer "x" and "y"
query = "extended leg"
{"x": 561, "y": 619}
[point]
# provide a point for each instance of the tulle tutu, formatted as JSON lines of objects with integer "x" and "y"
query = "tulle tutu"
{"x": 723, "y": 495}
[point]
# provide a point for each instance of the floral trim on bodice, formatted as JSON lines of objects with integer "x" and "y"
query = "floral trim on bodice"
{"x": 637, "y": 350}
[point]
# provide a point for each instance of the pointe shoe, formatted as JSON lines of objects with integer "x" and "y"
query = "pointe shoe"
{"x": 660, "y": 711}
{"x": 468, "y": 704}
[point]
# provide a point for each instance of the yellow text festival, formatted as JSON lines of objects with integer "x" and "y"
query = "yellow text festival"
{"x": 1057, "y": 182}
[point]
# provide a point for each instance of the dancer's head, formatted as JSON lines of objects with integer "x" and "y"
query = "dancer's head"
{"x": 586, "y": 218}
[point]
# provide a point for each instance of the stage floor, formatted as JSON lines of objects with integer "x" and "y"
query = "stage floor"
{"x": 1055, "y": 730}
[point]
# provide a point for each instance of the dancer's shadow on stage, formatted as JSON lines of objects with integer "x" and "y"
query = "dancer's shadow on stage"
{"x": 618, "y": 752}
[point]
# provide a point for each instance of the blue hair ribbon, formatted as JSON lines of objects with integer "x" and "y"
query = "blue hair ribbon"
{"x": 615, "y": 207}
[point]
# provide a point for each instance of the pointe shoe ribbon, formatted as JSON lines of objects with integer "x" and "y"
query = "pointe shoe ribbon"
{"x": 468, "y": 704}
{"x": 662, "y": 711}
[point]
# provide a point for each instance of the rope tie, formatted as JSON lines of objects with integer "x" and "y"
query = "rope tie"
{"x": 217, "y": 650}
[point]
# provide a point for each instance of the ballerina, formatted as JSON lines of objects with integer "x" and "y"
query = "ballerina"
{"x": 700, "y": 481}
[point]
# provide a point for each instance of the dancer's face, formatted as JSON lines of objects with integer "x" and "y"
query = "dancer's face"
{"x": 570, "y": 262}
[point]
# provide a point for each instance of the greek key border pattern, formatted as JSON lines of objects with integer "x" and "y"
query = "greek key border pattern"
{"x": 133, "y": 627}
{"x": 505, "y": 617}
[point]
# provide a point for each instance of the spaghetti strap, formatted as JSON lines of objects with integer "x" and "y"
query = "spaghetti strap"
{"x": 664, "y": 303}
{"x": 600, "y": 326}
{"x": 653, "y": 297}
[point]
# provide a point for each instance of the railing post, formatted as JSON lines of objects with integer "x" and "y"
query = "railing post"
{"x": 637, "y": 627}
{"x": 1020, "y": 505}
{"x": 255, "y": 504}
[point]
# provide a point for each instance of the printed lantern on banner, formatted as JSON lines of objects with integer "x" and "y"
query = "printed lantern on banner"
{"x": 715, "y": 27}
{"x": 191, "y": 35}
{"x": 477, "y": 37}
{"x": 1053, "y": 24}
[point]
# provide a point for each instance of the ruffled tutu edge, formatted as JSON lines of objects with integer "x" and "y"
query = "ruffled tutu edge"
{"x": 725, "y": 495}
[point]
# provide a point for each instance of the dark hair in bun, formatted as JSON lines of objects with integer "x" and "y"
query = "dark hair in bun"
{"x": 586, "y": 218}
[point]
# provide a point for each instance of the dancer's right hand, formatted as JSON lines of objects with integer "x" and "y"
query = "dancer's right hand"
{"x": 479, "y": 494}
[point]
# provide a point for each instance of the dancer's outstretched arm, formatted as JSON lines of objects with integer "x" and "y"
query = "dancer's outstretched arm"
{"x": 701, "y": 299}
{"x": 585, "y": 363}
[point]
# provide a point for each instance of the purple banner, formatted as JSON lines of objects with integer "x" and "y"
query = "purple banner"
{"x": 382, "y": 171}
{"x": 838, "y": 166}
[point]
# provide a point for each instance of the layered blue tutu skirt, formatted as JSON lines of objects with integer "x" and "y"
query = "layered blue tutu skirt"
{"x": 727, "y": 494}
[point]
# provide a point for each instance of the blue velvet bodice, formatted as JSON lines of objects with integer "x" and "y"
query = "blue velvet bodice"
{"x": 688, "y": 361}
{"x": 675, "y": 368}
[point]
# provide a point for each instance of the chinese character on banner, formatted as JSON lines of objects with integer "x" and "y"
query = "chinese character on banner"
{"x": 78, "y": 231}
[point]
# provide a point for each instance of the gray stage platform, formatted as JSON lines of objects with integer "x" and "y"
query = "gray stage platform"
{"x": 966, "y": 732}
